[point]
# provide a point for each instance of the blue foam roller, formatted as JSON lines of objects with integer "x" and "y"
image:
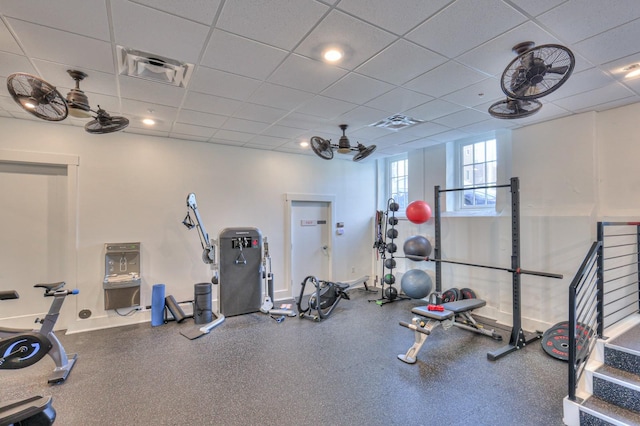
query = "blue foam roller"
{"x": 157, "y": 305}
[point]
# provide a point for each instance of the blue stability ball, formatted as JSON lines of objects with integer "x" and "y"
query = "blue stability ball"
{"x": 416, "y": 284}
{"x": 417, "y": 247}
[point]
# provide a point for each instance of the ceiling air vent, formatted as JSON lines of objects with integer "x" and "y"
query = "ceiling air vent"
{"x": 396, "y": 122}
{"x": 149, "y": 66}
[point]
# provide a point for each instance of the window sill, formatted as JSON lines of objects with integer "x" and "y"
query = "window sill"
{"x": 471, "y": 213}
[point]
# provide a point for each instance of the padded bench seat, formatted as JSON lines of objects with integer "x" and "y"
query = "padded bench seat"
{"x": 450, "y": 309}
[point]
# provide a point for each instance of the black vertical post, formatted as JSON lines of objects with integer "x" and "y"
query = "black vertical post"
{"x": 600, "y": 280}
{"x": 572, "y": 344}
{"x": 436, "y": 249}
{"x": 517, "y": 337}
{"x": 638, "y": 251}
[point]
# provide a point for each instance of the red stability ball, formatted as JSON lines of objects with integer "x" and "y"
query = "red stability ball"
{"x": 418, "y": 212}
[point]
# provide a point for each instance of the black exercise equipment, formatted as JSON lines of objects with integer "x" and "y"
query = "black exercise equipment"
{"x": 323, "y": 300}
{"x": 518, "y": 338}
{"x": 22, "y": 348}
{"x": 450, "y": 314}
{"x": 33, "y": 411}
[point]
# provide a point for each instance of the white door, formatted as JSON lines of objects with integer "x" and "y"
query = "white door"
{"x": 310, "y": 243}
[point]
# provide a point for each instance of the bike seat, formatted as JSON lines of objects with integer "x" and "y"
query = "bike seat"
{"x": 51, "y": 286}
{"x": 8, "y": 294}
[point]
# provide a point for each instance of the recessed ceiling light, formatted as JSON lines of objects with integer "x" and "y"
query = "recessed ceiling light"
{"x": 149, "y": 121}
{"x": 631, "y": 71}
{"x": 304, "y": 144}
{"x": 332, "y": 54}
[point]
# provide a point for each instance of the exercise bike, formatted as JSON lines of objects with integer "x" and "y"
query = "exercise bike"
{"x": 21, "y": 348}
{"x": 323, "y": 300}
{"x": 33, "y": 411}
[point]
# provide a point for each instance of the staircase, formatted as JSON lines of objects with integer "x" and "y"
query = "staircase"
{"x": 609, "y": 393}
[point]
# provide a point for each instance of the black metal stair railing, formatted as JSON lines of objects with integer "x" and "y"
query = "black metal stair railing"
{"x": 585, "y": 315}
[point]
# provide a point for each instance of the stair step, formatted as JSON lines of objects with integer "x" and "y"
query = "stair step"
{"x": 617, "y": 387}
{"x": 597, "y": 412}
{"x": 622, "y": 357}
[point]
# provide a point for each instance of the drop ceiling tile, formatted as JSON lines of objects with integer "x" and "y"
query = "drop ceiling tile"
{"x": 282, "y": 132}
{"x": 536, "y": 7}
{"x": 83, "y": 17}
{"x": 617, "y": 103}
{"x": 230, "y": 135}
{"x": 224, "y": 84}
{"x": 577, "y": 20}
{"x": 580, "y": 82}
{"x": 464, "y": 25}
{"x": 398, "y": 17}
{"x": 611, "y": 45}
{"x": 266, "y": 20}
{"x": 493, "y": 57}
{"x": 203, "y": 11}
{"x": 210, "y": 103}
{"x": 548, "y": 112}
{"x": 8, "y": 43}
{"x": 261, "y": 113}
{"x": 264, "y": 140}
{"x": 198, "y": 118}
{"x": 279, "y": 96}
{"x": 368, "y": 133}
{"x": 433, "y": 109}
{"x": 395, "y": 138}
{"x": 361, "y": 116}
{"x": 239, "y": 55}
{"x": 188, "y": 137}
{"x": 401, "y": 62}
{"x": 418, "y": 144}
{"x": 150, "y": 91}
{"x": 149, "y": 30}
{"x": 218, "y": 141}
{"x": 324, "y": 107}
{"x": 247, "y": 126}
{"x": 358, "y": 39}
{"x": 582, "y": 101}
{"x": 66, "y": 48}
{"x": 148, "y": 132}
{"x": 477, "y": 93}
{"x": 487, "y": 126}
{"x": 426, "y": 129}
{"x": 302, "y": 121}
{"x": 356, "y": 88}
{"x": 305, "y": 74}
{"x": 10, "y": 63}
{"x": 448, "y": 136}
{"x": 398, "y": 100}
{"x": 444, "y": 79}
{"x": 192, "y": 130}
{"x": 136, "y": 108}
{"x": 462, "y": 118}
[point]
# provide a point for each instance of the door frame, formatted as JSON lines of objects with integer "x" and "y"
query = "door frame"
{"x": 71, "y": 162}
{"x": 288, "y": 232}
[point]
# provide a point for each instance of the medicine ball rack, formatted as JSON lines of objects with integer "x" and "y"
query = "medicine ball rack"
{"x": 390, "y": 294}
{"x": 519, "y": 338}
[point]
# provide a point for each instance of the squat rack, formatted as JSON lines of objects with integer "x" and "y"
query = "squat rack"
{"x": 518, "y": 337}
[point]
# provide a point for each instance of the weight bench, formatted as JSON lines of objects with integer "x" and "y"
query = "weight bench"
{"x": 456, "y": 313}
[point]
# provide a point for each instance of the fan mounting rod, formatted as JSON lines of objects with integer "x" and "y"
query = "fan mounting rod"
{"x": 520, "y": 48}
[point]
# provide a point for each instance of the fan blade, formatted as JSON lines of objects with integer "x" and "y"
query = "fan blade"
{"x": 363, "y": 152}
{"x": 558, "y": 70}
{"x": 321, "y": 147}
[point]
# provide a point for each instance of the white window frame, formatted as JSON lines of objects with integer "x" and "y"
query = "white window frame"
{"x": 459, "y": 174}
{"x": 402, "y": 201}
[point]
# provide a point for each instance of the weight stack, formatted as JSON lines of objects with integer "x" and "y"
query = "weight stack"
{"x": 202, "y": 312}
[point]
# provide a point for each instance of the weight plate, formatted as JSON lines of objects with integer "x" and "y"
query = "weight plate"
{"x": 449, "y": 296}
{"x": 467, "y": 293}
{"x": 555, "y": 341}
{"x": 457, "y": 292}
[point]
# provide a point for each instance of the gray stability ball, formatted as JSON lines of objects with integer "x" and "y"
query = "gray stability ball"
{"x": 416, "y": 284}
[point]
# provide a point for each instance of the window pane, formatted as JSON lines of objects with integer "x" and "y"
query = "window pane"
{"x": 491, "y": 150}
{"x": 468, "y": 176}
{"x": 467, "y": 154}
{"x": 478, "y": 173}
{"x": 492, "y": 172}
{"x": 478, "y": 150}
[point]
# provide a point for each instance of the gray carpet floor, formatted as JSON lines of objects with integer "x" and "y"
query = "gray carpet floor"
{"x": 252, "y": 370}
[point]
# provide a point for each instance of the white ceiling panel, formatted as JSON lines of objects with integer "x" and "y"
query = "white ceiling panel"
{"x": 239, "y": 55}
{"x": 259, "y": 80}
{"x": 149, "y": 30}
{"x": 458, "y": 29}
{"x": 264, "y": 20}
{"x": 401, "y": 62}
{"x": 358, "y": 39}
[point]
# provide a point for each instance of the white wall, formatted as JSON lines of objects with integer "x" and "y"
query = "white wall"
{"x": 134, "y": 188}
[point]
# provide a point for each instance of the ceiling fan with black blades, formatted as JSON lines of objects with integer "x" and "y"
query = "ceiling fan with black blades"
{"x": 534, "y": 73}
{"x": 324, "y": 148}
{"x": 42, "y": 99}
